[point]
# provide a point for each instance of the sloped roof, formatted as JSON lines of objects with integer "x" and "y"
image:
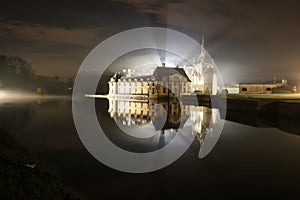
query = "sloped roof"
{"x": 158, "y": 73}
{"x": 117, "y": 76}
{"x": 168, "y": 71}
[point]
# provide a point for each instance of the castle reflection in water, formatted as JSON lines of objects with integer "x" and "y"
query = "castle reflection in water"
{"x": 164, "y": 115}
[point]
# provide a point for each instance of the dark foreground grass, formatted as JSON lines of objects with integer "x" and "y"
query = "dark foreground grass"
{"x": 24, "y": 177}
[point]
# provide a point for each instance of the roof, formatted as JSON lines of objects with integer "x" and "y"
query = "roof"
{"x": 138, "y": 77}
{"x": 159, "y": 73}
{"x": 117, "y": 76}
{"x": 263, "y": 83}
{"x": 168, "y": 71}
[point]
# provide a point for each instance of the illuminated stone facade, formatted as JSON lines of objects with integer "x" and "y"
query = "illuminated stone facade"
{"x": 202, "y": 73}
{"x": 165, "y": 82}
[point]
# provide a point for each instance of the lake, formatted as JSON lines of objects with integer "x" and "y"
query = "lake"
{"x": 246, "y": 162}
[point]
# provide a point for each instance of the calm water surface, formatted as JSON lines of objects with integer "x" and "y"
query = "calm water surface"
{"x": 247, "y": 162}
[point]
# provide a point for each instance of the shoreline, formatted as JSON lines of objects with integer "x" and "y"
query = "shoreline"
{"x": 23, "y": 176}
{"x": 295, "y": 96}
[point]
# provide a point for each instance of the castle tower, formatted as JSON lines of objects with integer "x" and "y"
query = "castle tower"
{"x": 197, "y": 73}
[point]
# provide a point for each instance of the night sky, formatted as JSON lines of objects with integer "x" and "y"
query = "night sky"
{"x": 249, "y": 40}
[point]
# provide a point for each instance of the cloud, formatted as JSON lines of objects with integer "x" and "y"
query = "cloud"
{"x": 146, "y": 5}
{"x": 232, "y": 18}
{"x": 42, "y": 34}
{"x": 51, "y": 50}
{"x": 258, "y": 36}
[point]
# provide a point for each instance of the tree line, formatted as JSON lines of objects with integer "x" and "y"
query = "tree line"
{"x": 17, "y": 73}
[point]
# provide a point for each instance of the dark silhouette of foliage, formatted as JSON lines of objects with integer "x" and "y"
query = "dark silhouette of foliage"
{"x": 16, "y": 73}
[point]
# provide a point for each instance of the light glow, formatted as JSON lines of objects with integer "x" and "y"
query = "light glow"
{"x": 8, "y": 94}
{"x": 2, "y": 94}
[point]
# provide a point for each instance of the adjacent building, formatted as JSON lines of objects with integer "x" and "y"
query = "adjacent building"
{"x": 258, "y": 88}
{"x": 229, "y": 89}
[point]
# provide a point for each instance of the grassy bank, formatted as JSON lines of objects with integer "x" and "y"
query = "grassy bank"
{"x": 24, "y": 177}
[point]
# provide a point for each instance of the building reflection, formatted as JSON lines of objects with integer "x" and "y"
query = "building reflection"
{"x": 203, "y": 119}
{"x": 129, "y": 112}
{"x": 164, "y": 116}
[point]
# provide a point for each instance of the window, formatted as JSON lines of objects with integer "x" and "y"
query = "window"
{"x": 244, "y": 89}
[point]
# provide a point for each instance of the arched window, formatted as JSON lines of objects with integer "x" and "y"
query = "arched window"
{"x": 244, "y": 89}
{"x": 268, "y": 89}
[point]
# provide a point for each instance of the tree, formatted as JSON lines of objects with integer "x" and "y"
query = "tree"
{"x": 14, "y": 70}
{"x": 40, "y": 92}
{"x": 16, "y": 73}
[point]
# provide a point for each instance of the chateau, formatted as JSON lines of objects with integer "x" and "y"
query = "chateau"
{"x": 164, "y": 82}
{"x": 167, "y": 82}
